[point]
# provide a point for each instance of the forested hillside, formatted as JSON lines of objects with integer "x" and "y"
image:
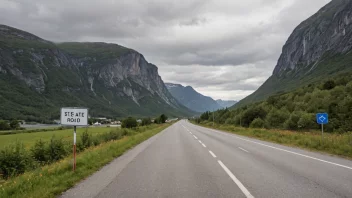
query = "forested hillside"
{"x": 296, "y": 110}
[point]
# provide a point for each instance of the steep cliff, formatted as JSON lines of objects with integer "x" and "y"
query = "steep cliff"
{"x": 192, "y": 99}
{"x": 37, "y": 77}
{"x": 318, "y": 48}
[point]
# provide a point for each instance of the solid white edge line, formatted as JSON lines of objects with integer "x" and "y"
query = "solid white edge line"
{"x": 239, "y": 184}
{"x": 302, "y": 155}
{"x": 204, "y": 145}
{"x": 243, "y": 149}
{"x": 211, "y": 153}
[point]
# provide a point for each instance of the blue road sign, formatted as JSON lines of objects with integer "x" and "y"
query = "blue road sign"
{"x": 322, "y": 118}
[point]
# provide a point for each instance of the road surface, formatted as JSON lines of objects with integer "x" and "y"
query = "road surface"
{"x": 186, "y": 160}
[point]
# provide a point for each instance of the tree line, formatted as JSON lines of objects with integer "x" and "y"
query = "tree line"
{"x": 296, "y": 110}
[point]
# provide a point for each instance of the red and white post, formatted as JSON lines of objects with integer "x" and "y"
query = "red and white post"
{"x": 74, "y": 148}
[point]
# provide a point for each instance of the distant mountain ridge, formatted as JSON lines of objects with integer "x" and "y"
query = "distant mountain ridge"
{"x": 318, "y": 48}
{"x": 192, "y": 99}
{"x": 37, "y": 77}
{"x": 226, "y": 103}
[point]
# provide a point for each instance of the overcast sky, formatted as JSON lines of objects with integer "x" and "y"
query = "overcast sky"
{"x": 223, "y": 48}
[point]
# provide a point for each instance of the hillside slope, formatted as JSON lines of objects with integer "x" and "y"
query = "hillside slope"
{"x": 38, "y": 77}
{"x": 320, "y": 47}
{"x": 192, "y": 99}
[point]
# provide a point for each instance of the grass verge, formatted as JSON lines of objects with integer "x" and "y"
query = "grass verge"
{"x": 335, "y": 144}
{"x": 51, "y": 180}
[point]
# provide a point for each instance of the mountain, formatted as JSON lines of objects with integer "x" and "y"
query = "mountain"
{"x": 37, "y": 77}
{"x": 319, "y": 48}
{"x": 192, "y": 99}
{"x": 226, "y": 103}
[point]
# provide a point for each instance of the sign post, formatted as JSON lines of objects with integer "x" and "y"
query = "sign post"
{"x": 74, "y": 116}
{"x": 322, "y": 118}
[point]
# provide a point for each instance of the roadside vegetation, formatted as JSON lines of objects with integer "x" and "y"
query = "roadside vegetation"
{"x": 48, "y": 168}
{"x": 296, "y": 110}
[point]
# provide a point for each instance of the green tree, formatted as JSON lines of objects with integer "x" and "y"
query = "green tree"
{"x": 276, "y": 118}
{"x": 162, "y": 118}
{"x": 146, "y": 121}
{"x": 14, "y": 124}
{"x": 4, "y": 125}
{"x": 330, "y": 84}
{"x": 292, "y": 122}
{"x": 257, "y": 123}
{"x": 129, "y": 123}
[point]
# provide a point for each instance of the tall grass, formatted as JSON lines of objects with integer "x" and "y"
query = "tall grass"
{"x": 53, "y": 179}
{"x": 336, "y": 144}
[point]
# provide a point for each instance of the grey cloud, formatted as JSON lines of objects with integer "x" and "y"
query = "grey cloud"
{"x": 231, "y": 45}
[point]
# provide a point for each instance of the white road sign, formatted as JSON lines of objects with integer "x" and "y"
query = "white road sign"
{"x": 73, "y": 116}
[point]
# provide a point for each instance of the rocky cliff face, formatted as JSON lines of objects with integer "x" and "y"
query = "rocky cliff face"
{"x": 319, "y": 48}
{"x": 109, "y": 79}
{"x": 327, "y": 31}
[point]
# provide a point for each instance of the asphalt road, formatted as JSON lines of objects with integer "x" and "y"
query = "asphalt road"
{"x": 186, "y": 160}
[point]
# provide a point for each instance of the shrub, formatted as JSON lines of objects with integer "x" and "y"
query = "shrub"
{"x": 55, "y": 150}
{"x": 292, "y": 122}
{"x": 86, "y": 139}
{"x": 306, "y": 121}
{"x": 39, "y": 153}
{"x": 330, "y": 84}
{"x": 14, "y": 160}
{"x": 162, "y": 118}
{"x": 276, "y": 118}
{"x": 14, "y": 124}
{"x": 146, "y": 121}
{"x": 4, "y": 125}
{"x": 257, "y": 123}
{"x": 129, "y": 123}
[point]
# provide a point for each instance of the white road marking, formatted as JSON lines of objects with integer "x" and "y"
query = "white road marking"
{"x": 302, "y": 155}
{"x": 243, "y": 149}
{"x": 239, "y": 184}
{"x": 195, "y": 137}
{"x": 211, "y": 153}
{"x": 200, "y": 141}
{"x": 204, "y": 145}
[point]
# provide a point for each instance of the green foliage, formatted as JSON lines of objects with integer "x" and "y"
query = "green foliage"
{"x": 14, "y": 160}
{"x": 86, "y": 139}
{"x": 276, "y": 118}
{"x": 296, "y": 110}
{"x": 162, "y": 118}
{"x": 146, "y": 121}
{"x": 14, "y": 124}
{"x": 257, "y": 123}
{"x": 330, "y": 84}
{"x": 4, "y": 125}
{"x": 129, "y": 123}
{"x": 56, "y": 149}
{"x": 39, "y": 152}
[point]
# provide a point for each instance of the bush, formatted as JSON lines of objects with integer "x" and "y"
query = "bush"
{"x": 129, "y": 123}
{"x": 306, "y": 121}
{"x": 14, "y": 160}
{"x": 14, "y": 124}
{"x": 292, "y": 122}
{"x": 146, "y": 121}
{"x": 86, "y": 139}
{"x": 330, "y": 84}
{"x": 276, "y": 118}
{"x": 39, "y": 152}
{"x": 257, "y": 123}
{"x": 4, "y": 125}
{"x": 56, "y": 149}
{"x": 162, "y": 118}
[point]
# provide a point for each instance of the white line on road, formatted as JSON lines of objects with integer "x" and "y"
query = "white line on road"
{"x": 239, "y": 184}
{"x": 204, "y": 145}
{"x": 302, "y": 155}
{"x": 195, "y": 137}
{"x": 243, "y": 149}
{"x": 211, "y": 153}
{"x": 200, "y": 141}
